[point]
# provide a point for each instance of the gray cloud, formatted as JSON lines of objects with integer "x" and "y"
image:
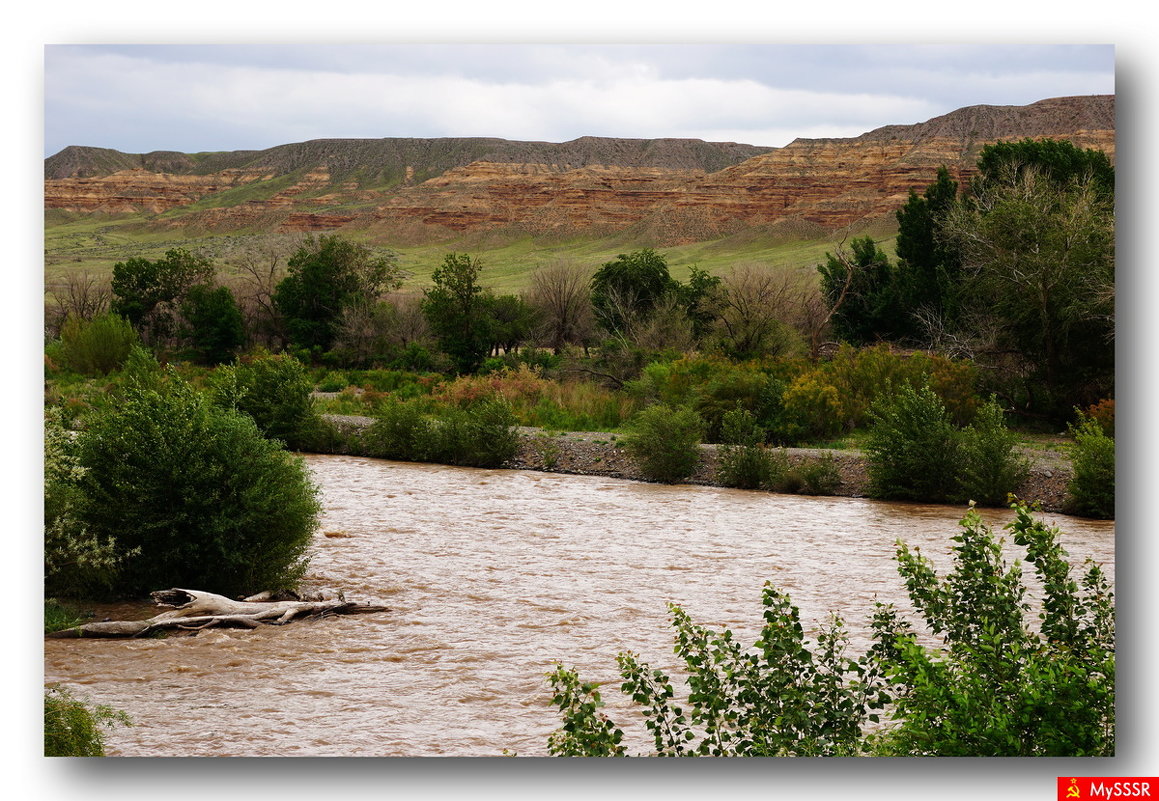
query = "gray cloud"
{"x": 224, "y": 97}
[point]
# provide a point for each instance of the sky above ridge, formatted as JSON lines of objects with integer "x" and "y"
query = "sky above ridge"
{"x": 192, "y": 98}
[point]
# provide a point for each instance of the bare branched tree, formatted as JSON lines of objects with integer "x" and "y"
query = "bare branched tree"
{"x": 755, "y": 307}
{"x": 80, "y": 295}
{"x": 259, "y": 265}
{"x": 561, "y": 296}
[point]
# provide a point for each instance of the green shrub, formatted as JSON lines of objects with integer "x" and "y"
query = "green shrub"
{"x": 194, "y": 493}
{"x": 991, "y": 468}
{"x": 73, "y": 728}
{"x": 75, "y": 558}
{"x": 742, "y": 461}
{"x": 665, "y": 442}
{"x": 779, "y": 698}
{"x": 819, "y": 476}
{"x": 812, "y": 409}
{"x": 913, "y": 448}
{"x": 401, "y": 431}
{"x": 1092, "y": 487}
{"x": 98, "y": 346}
{"x": 333, "y": 382}
{"x": 276, "y": 392}
{"x": 994, "y": 686}
{"x": 483, "y": 434}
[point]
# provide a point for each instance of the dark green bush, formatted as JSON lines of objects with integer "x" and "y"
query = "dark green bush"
{"x": 991, "y": 468}
{"x": 665, "y": 442}
{"x": 72, "y": 728}
{"x": 194, "y": 493}
{"x": 401, "y": 431}
{"x": 97, "y": 346}
{"x": 482, "y": 434}
{"x": 913, "y": 447}
{"x": 1092, "y": 488}
{"x": 276, "y": 392}
{"x": 742, "y": 460}
{"x": 917, "y": 453}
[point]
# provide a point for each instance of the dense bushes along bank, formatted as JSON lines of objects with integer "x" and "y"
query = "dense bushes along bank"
{"x": 603, "y": 454}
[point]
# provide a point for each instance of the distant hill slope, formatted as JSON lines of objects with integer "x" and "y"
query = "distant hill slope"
{"x": 663, "y": 191}
{"x": 429, "y": 157}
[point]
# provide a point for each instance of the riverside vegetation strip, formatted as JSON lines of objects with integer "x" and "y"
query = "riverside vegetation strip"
{"x": 600, "y": 454}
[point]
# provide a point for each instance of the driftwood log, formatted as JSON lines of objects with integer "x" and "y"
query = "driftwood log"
{"x": 193, "y": 610}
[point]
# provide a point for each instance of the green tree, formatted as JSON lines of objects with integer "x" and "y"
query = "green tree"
{"x": 194, "y": 492}
{"x": 511, "y": 322}
{"x": 324, "y": 277}
{"x": 859, "y": 291}
{"x": 928, "y": 271}
{"x": 147, "y": 293}
{"x": 456, "y": 309}
{"x": 1041, "y": 263}
{"x": 630, "y": 285}
{"x": 1058, "y": 161}
{"x": 213, "y": 323}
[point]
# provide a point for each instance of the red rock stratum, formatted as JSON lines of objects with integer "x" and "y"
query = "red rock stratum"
{"x": 674, "y": 190}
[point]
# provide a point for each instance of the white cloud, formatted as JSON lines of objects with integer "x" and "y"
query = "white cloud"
{"x": 141, "y": 99}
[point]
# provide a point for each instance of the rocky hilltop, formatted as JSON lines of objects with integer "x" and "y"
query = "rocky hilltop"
{"x": 668, "y": 191}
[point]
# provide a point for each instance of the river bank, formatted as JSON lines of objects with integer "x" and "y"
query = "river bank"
{"x": 599, "y": 454}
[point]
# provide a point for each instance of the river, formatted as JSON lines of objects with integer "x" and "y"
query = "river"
{"x": 491, "y": 577}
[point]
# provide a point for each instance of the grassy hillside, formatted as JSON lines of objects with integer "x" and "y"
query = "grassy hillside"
{"x": 93, "y": 244}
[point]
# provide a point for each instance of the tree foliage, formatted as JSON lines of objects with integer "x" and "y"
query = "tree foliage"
{"x": 994, "y": 685}
{"x": 860, "y": 292}
{"x": 147, "y": 292}
{"x": 193, "y": 492}
{"x": 928, "y": 271}
{"x": 213, "y": 323}
{"x": 1041, "y": 260}
{"x": 73, "y": 728}
{"x": 1058, "y": 161}
{"x": 631, "y": 284}
{"x": 326, "y": 275}
{"x": 275, "y": 391}
{"x": 456, "y": 308}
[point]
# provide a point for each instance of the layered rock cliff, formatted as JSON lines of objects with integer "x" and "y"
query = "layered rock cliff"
{"x": 674, "y": 190}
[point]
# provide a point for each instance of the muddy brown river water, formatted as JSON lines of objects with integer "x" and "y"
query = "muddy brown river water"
{"x": 491, "y": 577}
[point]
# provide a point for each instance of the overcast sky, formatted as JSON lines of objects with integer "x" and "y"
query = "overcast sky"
{"x": 140, "y": 98}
